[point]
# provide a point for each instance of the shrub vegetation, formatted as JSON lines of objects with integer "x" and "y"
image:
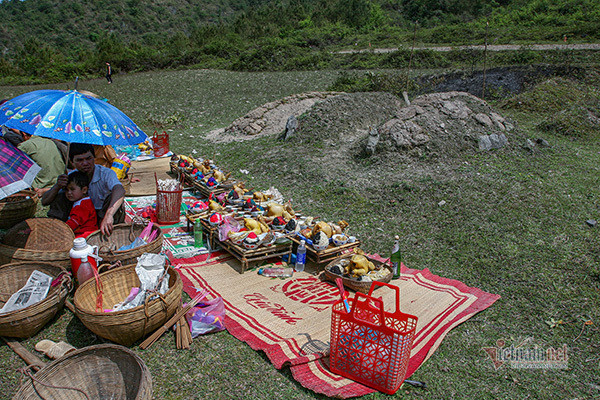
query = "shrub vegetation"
{"x": 44, "y": 43}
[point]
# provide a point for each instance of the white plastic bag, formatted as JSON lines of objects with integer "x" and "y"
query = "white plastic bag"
{"x": 153, "y": 276}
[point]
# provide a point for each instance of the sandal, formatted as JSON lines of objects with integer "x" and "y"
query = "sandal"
{"x": 52, "y": 349}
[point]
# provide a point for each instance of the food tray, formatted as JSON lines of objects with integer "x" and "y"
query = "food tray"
{"x": 330, "y": 253}
{"x": 246, "y": 256}
{"x": 206, "y": 191}
{"x": 350, "y": 283}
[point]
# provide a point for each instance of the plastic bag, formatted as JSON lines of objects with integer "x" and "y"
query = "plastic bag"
{"x": 229, "y": 224}
{"x": 206, "y": 316}
{"x": 153, "y": 276}
{"x": 136, "y": 243}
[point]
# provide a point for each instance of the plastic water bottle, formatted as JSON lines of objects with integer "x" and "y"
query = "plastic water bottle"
{"x": 301, "y": 257}
{"x": 198, "y": 239}
{"x": 85, "y": 270}
{"x": 276, "y": 272}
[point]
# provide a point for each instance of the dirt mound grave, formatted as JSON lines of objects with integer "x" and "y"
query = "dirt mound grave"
{"x": 358, "y": 124}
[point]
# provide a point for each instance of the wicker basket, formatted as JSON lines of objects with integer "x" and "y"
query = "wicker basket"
{"x": 127, "y": 326}
{"x": 104, "y": 371}
{"x": 351, "y": 283}
{"x": 17, "y": 207}
{"x": 28, "y": 321}
{"x": 124, "y": 234}
{"x": 39, "y": 239}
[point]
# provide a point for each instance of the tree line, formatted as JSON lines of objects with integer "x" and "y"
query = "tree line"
{"x": 43, "y": 42}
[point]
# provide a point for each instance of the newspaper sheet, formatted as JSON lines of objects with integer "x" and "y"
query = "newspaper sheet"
{"x": 35, "y": 290}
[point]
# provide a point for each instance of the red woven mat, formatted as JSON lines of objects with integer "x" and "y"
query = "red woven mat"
{"x": 290, "y": 319}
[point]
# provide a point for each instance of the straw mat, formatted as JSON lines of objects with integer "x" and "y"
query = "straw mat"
{"x": 290, "y": 319}
{"x": 143, "y": 173}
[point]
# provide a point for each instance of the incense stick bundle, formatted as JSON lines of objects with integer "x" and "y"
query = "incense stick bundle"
{"x": 178, "y": 335}
{"x": 188, "y": 332}
{"x": 183, "y": 334}
{"x": 159, "y": 332}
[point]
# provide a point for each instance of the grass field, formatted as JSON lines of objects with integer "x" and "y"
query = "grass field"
{"x": 513, "y": 223}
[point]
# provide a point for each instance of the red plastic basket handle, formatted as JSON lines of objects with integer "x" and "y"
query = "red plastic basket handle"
{"x": 374, "y": 284}
{"x": 357, "y": 303}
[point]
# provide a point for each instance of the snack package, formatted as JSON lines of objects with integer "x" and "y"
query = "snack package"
{"x": 206, "y": 316}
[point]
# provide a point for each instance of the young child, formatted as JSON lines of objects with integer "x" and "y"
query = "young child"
{"x": 82, "y": 219}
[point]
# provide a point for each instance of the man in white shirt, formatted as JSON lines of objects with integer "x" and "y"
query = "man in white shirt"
{"x": 105, "y": 190}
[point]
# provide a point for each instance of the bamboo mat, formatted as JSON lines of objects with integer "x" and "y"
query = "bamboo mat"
{"x": 144, "y": 171}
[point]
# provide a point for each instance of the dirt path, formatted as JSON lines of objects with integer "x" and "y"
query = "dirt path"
{"x": 493, "y": 47}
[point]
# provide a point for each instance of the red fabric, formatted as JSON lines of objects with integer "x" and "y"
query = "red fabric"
{"x": 82, "y": 219}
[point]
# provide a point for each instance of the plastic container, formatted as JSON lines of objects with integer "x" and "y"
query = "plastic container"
{"x": 300, "y": 257}
{"x": 276, "y": 272}
{"x": 85, "y": 270}
{"x": 198, "y": 239}
{"x": 121, "y": 167}
{"x": 370, "y": 345}
{"x": 80, "y": 250}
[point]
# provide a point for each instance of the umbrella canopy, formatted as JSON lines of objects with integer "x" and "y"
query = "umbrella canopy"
{"x": 17, "y": 170}
{"x": 70, "y": 116}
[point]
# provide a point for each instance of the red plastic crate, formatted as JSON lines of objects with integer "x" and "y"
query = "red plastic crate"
{"x": 370, "y": 345}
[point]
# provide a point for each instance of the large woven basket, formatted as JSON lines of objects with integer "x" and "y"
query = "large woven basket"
{"x": 28, "y": 321}
{"x": 17, "y": 207}
{"x": 104, "y": 371}
{"x": 352, "y": 283}
{"x": 48, "y": 240}
{"x": 127, "y": 326}
{"x": 124, "y": 234}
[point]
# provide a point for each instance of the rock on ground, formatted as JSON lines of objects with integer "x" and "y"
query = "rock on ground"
{"x": 445, "y": 123}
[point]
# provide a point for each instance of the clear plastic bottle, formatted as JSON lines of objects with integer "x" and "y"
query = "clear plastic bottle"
{"x": 198, "y": 239}
{"x": 396, "y": 258}
{"x": 300, "y": 257}
{"x": 85, "y": 270}
{"x": 276, "y": 272}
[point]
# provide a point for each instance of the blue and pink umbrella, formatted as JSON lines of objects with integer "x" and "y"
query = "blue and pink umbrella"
{"x": 70, "y": 116}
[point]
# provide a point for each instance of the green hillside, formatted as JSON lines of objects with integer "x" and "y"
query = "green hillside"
{"x": 45, "y": 41}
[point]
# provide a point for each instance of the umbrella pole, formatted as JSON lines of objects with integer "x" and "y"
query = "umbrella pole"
{"x": 68, "y": 158}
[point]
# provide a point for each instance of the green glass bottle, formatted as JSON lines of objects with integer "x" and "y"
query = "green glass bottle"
{"x": 396, "y": 258}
